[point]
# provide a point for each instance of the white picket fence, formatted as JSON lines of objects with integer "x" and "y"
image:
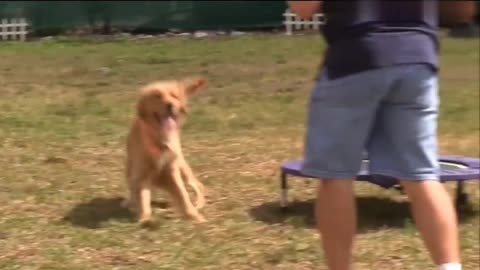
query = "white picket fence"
{"x": 293, "y": 22}
{"x": 13, "y": 29}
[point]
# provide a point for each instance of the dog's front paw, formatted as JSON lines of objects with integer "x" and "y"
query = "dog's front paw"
{"x": 196, "y": 217}
{"x": 200, "y": 202}
{"x": 199, "y": 219}
{"x": 145, "y": 220}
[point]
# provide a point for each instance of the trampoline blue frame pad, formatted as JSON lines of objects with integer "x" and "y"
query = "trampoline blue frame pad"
{"x": 452, "y": 169}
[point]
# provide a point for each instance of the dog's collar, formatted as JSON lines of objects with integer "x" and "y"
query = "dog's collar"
{"x": 147, "y": 138}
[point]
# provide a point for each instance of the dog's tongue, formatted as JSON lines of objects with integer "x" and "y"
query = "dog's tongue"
{"x": 169, "y": 123}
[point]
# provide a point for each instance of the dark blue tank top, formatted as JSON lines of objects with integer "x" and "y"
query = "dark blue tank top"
{"x": 368, "y": 34}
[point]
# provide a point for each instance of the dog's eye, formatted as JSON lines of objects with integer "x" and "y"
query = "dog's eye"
{"x": 157, "y": 95}
{"x": 175, "y": 96}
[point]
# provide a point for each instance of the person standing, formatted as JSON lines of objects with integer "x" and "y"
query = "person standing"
{"x": 377, "y": 90}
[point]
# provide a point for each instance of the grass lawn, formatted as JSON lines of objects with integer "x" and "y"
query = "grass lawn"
{"x": 65, "y": 109}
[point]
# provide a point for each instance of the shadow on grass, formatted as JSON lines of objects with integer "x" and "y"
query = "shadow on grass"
{"x": 373, "y": 213}
{"x": 94, "y": 213}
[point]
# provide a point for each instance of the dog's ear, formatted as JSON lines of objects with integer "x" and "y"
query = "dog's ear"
{"x": 145, "y": 94}
{"x": 192, "y": 84}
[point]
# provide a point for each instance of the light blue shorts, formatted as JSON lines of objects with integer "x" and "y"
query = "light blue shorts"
{"x": 391, "y": 113}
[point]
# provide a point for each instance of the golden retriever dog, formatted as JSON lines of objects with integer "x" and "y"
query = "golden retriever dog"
{"x": 154, "y": 152}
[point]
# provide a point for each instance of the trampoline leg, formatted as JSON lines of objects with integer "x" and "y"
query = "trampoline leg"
{"x": 284, "y": 191}
{"x": 461, "y": 198}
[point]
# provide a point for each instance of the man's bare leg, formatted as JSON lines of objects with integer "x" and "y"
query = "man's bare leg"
{"x": 336, "y": 218}
{"x": 435, "y": 218}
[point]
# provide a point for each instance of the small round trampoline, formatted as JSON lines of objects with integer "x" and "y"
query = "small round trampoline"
{"x": 453, "y": 169}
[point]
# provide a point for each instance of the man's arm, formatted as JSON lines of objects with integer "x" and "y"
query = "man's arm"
{"x": 305, "y": 9}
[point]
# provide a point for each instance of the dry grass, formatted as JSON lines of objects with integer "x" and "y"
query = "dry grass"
{"x": 65, "y": 109}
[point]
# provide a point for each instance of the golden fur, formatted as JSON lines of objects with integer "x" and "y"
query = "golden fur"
{"x": 154, "y": 152}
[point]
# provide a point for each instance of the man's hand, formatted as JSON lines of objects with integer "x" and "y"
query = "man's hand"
{"x": 305, "y": 9}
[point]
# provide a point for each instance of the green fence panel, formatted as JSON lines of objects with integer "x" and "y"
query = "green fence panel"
{"x": 155, "y": 15}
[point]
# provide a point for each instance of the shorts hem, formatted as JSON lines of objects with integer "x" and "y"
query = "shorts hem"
{"x": 329, "y": 175}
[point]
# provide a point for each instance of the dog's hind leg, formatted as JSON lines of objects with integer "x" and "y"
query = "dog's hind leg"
{"x": 139, "y": 201}
{"x": 131, "y": 202}
{"x": 145, "y": 200}
{"x": 176, "y": 187}
{"x": 134, "y": 176}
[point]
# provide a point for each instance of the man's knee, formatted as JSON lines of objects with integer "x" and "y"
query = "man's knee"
{"x": 337, "y": 185}
{"x": 424, "y": 188}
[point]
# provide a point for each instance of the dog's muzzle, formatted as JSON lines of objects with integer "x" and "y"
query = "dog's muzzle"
{"x": 171, "y": 111}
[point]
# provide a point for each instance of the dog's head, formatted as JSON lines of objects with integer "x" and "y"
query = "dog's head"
{"x": 164, "y": 103}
